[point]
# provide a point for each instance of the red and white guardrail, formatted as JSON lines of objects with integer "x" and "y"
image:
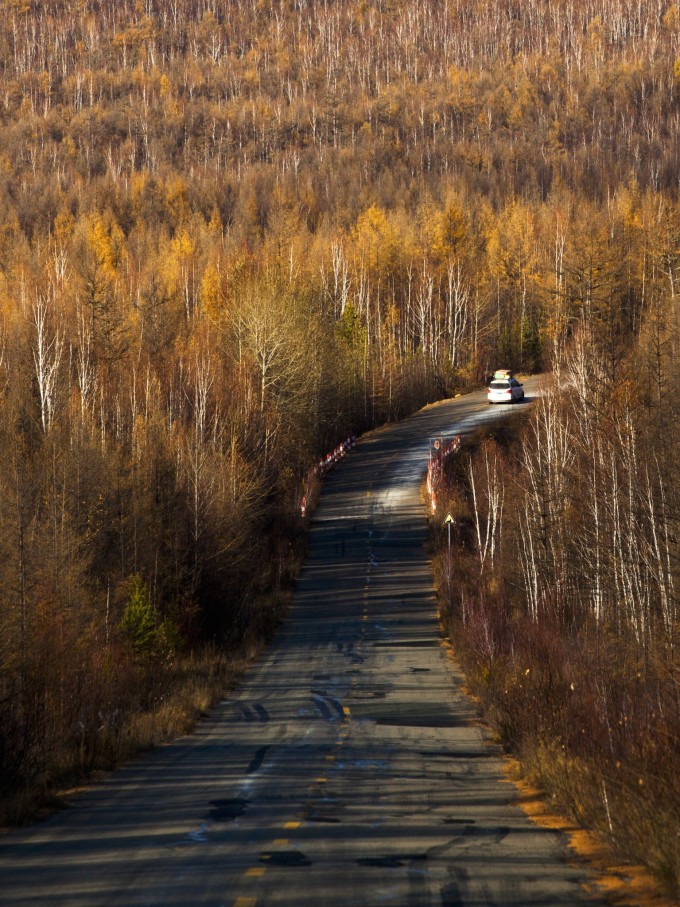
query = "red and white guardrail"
{"x": 319, "y": 470}
{"x": 439, "y": 454}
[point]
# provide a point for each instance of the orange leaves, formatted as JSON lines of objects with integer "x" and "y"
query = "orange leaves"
{"x": 64, "y": 225}
{"x": 107, "y": 242}
{"x": 376, "y": 239}
{"x": 177, "y": 199}
{"x": 211, "y": 295}
{"x": 445, "y": 230}
{"x": 511, "y": 244}
{"x": 671, "y": 18}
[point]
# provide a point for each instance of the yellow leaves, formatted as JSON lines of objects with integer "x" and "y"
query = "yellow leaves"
{"x": 522, "y": 109}
{"x": 167, "y": 91}
{"x": 10, "y": 243}
{"x": 511, "y": 244}
{"x": 624, "y": 394}
{"x": 390, "y": 105}
{"x": 628, "y": 207}
{"x": 215, "y": 226}
{"x": 392, "y": 316}
{"x": 178, "y": 200}
{"x": 182, "y": 245}
{"x": 671, "y": 18}
{"x": 375, "y": 237}
{"x": 461, "y": 97}
{"x": 445, "y": 230}
{"x": 209, "y": 23}
{"x": 135, "y": 34}
{"x": 19, "y": 7}
{"x": 555, "y": 323}
{"x": 211, "y": 296}
{"x": 64, "y": 225}
{"x": 596, "y": 31}
{"x": 175, "y": 261}
{"x": 107, "y": 241}
{"x": 373, "y": 220}
{"x": 138, "y": 181}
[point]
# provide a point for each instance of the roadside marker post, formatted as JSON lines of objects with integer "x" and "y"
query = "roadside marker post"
{"x": 448, "y": 522}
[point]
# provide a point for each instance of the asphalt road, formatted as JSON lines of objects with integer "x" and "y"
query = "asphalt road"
{"x": 347, "y": 770}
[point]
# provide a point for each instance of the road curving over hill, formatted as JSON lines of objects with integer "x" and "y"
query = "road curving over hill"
{"x": 347, "y": 770}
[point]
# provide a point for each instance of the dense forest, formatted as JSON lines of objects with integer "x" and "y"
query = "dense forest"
{"x": 560, "y": 588}
{"x": 231, "y": 234}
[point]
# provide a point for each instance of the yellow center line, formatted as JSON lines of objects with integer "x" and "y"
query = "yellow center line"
{"x": 245, "y": 902}
{"x": 321, "y": 780}
{"x": 281, "y": 842}
{"x": 291, "y": 825}
{"x": 255, "y": 872}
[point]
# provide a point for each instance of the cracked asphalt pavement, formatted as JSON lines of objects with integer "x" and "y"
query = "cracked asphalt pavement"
{"x": 348, "y": 769}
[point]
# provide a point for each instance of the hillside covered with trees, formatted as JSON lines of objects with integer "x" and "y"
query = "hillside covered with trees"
{"x": 232, "y": 233}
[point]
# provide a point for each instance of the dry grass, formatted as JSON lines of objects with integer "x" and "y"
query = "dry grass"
{"x": 593, "y": 725}
{"x": 119, "y": 704}
{"x": 604, "y": 747}
{"x": 191, "y": 686}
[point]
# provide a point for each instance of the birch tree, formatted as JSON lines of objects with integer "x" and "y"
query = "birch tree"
{"x": 488, "y": 495}
{"x": 47, "y": 349}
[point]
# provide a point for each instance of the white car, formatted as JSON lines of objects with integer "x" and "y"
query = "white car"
{"x": 505, "y": 390}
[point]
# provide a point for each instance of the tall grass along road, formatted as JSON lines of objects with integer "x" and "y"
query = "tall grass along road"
{"x": 347, "y": 769}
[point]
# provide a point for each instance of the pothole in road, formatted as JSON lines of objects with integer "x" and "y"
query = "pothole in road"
{"x": 227, "y": 810}
{"x": 284, "y": 858}
{"x": 420, "y": 670}
{"x": 257, "y": 760}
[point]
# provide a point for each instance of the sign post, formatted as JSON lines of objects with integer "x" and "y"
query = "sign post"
{"x": 449, "y": 521}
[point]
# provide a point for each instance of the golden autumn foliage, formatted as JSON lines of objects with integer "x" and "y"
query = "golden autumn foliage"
{"x": 232, "y": 233}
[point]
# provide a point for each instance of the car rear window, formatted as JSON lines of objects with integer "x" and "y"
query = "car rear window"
{"x": 500, "y": 385}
